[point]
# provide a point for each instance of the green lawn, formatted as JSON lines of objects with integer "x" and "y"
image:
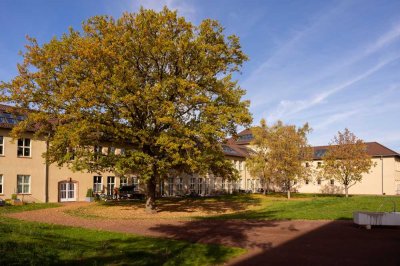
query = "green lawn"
{"x": 28, "y": 243}
{"x": 313, "y": 207}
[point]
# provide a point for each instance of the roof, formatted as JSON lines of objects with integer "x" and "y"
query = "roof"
{"x": 9, "y": 116}
{"x": 374, "y": 149}
{"x": 235, "y": 150}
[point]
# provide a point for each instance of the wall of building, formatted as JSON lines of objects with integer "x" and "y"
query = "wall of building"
{"x": 371, "y": 182}
{"x": 11, "y": 165}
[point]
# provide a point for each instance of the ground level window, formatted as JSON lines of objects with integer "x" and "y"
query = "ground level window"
{"x": 179, "y": 185}
{"x": 200, "y": 186}
{"x": 110, "y": 185}
{"x": 135, "y": 182}
{"x": 319, "y": 181}
{"x": 97, "y": 184}
{"x": 170, "y": 186}
{"x": 332, "y": 182}
{"x": 123, "y": 181}
{"x": 192, "y": 183}
{"x": 1, "y": 184}
{"x": 23, "y": 184}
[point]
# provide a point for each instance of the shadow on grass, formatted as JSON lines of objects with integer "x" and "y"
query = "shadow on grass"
{"x": 218, "y": 204}
{"x": 24, "y": 243}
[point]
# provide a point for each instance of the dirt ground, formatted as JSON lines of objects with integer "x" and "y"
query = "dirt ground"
{"x": 268, "y": 242}
{"x": 167, "y": 209}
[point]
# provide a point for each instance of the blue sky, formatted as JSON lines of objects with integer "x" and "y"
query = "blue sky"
{"x": 334, "y": 64}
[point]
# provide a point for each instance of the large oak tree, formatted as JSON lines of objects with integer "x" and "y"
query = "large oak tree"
{"x": 149, "y": 81}
{"x": 346, "y": 160}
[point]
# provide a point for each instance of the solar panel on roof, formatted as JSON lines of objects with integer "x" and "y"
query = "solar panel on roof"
{"x": 320, "y": 153}
{"x": 228, "y": 150}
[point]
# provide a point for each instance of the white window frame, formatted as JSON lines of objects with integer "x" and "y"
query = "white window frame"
{"x": 23, "y": 184}
{"x": 121, "y": 179}
{"x": 170, "y": 186}
{"x": 24, "y": 147}
{"x": 179, "y": 184}
{"x": 2, "y": 145}
{"x": 135, "y": 182}
{"x": 96, "y": 184}
{"x": 1, "y": 184}
{"x": 110, "y": 185}
{"x": 192, "y": 185}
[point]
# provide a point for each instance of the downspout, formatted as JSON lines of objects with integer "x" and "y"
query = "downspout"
{"x": 47, "y": 173}
{"x": 382, "y": 174}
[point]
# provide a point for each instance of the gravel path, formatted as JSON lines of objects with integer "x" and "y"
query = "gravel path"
{"x": 272, "y": 242}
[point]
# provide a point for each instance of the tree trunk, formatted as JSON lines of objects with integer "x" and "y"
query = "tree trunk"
{"x": 264, "y": 186}
{"x": 346, "y": 190}
{"x": 288, "y": 193}
{"x": 151, "y": 195}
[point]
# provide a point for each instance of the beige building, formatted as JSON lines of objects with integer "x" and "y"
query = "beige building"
{"x": 383, "y": 179}
{"x": 23, "y": 172}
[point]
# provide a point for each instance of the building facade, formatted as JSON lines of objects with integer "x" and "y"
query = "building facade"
{"x": 23, "y": 172}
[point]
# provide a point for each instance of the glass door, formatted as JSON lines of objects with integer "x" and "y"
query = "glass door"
{"x": 67, "y": 191}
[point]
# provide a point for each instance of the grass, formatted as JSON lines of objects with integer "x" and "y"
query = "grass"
{"x": 251, "y": 206}
{"x": 29, "y": 243}
{"x": 313, "y": 207}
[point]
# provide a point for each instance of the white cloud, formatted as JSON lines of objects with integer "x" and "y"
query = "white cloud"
{"x": 287, "y": 108}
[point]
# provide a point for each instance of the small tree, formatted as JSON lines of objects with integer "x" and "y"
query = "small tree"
{"x": 257, "y": 162}
{"x": 280, "y": 153}
{"x": 151, "y": 82}
{"x": 346, "y": 160}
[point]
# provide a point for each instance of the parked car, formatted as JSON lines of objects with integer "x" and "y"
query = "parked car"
{"x": 128, "y": 192}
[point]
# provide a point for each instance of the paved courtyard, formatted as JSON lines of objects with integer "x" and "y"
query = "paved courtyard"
{"x": 268, "y": 242}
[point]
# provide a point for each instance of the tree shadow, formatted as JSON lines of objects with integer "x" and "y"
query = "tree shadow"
{"x": 224, "y": 232}
{"x": 295, "y": 242}
{"x": 34, "y": 244}
{"x": 336, "y": 243}
{"x": 208, "y": 205}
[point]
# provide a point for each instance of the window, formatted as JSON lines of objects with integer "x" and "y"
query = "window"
{"x": 97, "y": 184}
{"x": 122, "y": 151}
{"x": 23, "y": 184}
{"x": 170, "y": 186}
{"x": 332, "y": 182}
{"x": 1, "y": 145}
{"x": 1, "y": 184}
{"x": 207, "y": 186}
{"x": 135, "y": 183}
{"x": 110, "y": 185}
{"x": 240, "y": 165}
{"x": 319, "y": 181}
{"x": 307, "y": 181}
{"x": 200, "y": 186}
{"x": 179, "y": 185}
{"x": 223, "y": 184}
{"x": 319, "y": 165}
{"x": 123, "y": 181}
{"x": 192, "y": 183}
{"x": 24, "y": 148}
{"x": 307, "y": 165}
{"x": 98, "y": 150}
{"x": 111, "y": 150}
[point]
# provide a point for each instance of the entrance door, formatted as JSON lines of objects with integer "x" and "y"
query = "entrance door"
{"x": 67, "y": 191}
